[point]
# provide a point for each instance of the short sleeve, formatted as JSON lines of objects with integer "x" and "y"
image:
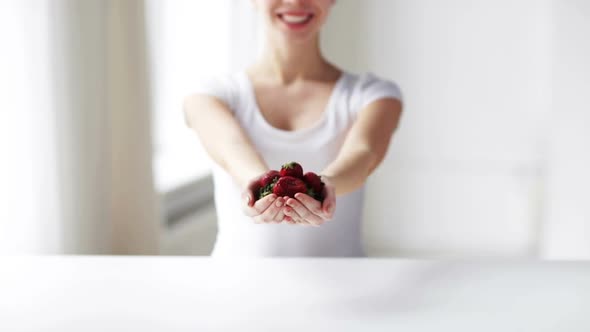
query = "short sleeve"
{"x": 373, "y": 88}
{"x": 221, "y": 87}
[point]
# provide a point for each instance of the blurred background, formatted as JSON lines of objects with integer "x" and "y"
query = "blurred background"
{"x": 492, "y": 157}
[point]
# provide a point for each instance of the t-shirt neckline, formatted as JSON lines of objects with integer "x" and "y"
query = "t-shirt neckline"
{"x": 299, "y": 132}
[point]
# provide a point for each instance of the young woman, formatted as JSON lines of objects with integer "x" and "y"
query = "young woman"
{"x": 293, "y": 105}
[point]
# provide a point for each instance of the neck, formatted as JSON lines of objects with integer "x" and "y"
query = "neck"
{"x": 287, "y": 62}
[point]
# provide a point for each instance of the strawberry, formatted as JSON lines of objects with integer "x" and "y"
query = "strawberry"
{"x": 292, "y": 169}
{"x": 289, "y": 186}
{"x": 269, "y": 177}
{"x": 267, "y": 182}
{"x": 314, "y": 184}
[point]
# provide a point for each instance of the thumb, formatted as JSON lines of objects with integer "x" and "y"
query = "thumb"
{"x": 327, "y": 208}
{"x": 248, "y": 199}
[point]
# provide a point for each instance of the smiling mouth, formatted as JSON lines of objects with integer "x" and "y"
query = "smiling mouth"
{"x": 295, "y": 20}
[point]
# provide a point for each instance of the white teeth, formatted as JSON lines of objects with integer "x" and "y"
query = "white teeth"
{"x": 295, "y": 19}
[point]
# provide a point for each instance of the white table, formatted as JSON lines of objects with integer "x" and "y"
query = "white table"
{"x": 87, "y": 294}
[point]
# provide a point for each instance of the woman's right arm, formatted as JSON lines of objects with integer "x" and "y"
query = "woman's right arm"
{"x": 223, "y": 138}
{"x": 228, "y": 145}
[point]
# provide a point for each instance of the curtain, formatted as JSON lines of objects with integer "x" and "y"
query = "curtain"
{"x": 82, "y": 141}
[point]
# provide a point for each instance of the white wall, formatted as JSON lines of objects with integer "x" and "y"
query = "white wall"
{"x": 566, "y": 230}
{"x": 464, "y": 174}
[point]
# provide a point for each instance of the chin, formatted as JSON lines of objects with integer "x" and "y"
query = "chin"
{"x": 298, "y": 39}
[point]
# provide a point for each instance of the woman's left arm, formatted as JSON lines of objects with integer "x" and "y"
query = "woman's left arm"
{"x": 365, "y": 145}
{"x": 363, "y": 150}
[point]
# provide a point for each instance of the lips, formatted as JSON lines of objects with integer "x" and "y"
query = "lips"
{"x": 295, "y": 20}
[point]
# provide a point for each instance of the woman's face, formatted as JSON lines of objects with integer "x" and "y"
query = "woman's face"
{"x": 297, "y": 20}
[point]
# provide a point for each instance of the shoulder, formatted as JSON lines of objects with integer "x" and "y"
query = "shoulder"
{"x": 214, "y": 84}
{"x": 370, "y": 85}
{"x": 366, "y": 88}
{"x": 223, "y": 87}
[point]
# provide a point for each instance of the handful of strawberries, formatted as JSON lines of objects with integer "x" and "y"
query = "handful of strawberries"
{"x": 289, "y": 181}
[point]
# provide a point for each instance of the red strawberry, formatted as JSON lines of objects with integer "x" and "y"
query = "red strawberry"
{"x": 289, "y": 186}
{"x": 314, "y": 183}
{"x": 267, "y": 182}
{"x": 292, "y": 169}
{"x": 269, "y": 177}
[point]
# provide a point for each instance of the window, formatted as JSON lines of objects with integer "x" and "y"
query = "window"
{"x": 189, "y": 40}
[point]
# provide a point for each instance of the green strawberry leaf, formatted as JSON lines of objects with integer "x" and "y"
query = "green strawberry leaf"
{"x": 265, "y": 191}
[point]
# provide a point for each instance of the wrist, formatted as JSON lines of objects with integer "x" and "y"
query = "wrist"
{"x": 327, "y": 178}
{"x": 249, "y": 175}
{"x": 328, "y": 174}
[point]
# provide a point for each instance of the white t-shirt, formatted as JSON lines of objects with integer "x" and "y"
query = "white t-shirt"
{"x": 314, "y": 148}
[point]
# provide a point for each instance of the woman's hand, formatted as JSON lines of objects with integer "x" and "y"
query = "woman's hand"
{"x": 305, "y": 210}
{"x": 268, "y": 210}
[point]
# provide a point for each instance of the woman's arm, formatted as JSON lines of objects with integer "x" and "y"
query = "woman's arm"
{"x": 223, "y": 138}
{"x": 365, "y": 145}
{"x": 363, "y": 150}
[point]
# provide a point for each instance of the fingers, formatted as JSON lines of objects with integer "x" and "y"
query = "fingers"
{"x": 248, "y": 198}
{"x": 268, "y": 209}
{"x": 303, "y": 213}
{"x": 259, "y": 206}
{"x": 302, "y": 210}
{"x": 310, "y": 203}
{"x": 273, "y": 214}
{"x": 293, "y": 218}
{"x": 329, "y": 204}
{"x": 251, "y": 191}
{"x": 287, "y": 218}
{"x": 270, "y": 214}
{"x": 280, "y": 217}
{"x": 290, "y": 220}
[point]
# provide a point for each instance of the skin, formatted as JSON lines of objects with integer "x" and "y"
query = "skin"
{"x": 292, "y": 82}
